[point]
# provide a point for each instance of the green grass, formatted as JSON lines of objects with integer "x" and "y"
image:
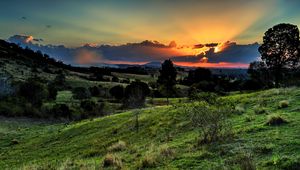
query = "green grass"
{"x": 85, "y": 144}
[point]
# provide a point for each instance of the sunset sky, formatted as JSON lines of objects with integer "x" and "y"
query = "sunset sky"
{"x": 73, "y": 23}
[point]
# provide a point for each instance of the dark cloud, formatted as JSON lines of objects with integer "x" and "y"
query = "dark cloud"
{"x": 145, "y": 51}
{"x": 211, "y": 45}
{"x": 198, "y": 46}
{"x": 232, "y": 52}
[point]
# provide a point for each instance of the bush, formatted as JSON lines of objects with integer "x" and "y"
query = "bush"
{"x": 239, "y": 109}
{"x": 245, "y": 162}
{"x": 210, "y": 121}
{"x": 210, "y": 98}
{"x": 149, "y": 161}
{"x": 94, "y": 91}
{"x": 260, "y": 110}
{"x": 61, "y": 111}
{"x": 81, "y": 93}
{"x": 33, "y": 91}
{"x": 91, "y": 108}
{"x": 135, "y": 94}
{"x": 112, "y": 160}
{"x": 119, "y": 146}
{"x": 117, "y": 92}
{"x": 275, "y": 120}
{"x": 166, "y": 152}
{"x": 283, "y": 104}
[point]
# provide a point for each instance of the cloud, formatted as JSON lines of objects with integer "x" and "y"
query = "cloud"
{"x": 226, "y": 52}
{"x": 211, "y": 54}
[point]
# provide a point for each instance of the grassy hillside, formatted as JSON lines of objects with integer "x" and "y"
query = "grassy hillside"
{"x": 166, "y": 139}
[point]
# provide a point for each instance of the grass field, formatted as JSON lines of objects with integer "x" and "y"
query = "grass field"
{"x": 166, "y": 139}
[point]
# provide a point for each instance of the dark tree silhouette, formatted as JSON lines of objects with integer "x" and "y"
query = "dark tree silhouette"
{"x": 259, "y": 75}
{"x": 117, "y": 92}
{"x": 167, "y": 77}
{"x": 81, "y": 93}
{"x": 199, "y": 74}
{"x": 33, "y": 91}
{"x": 135, "y": 94}
{"x": 280, "y": 49}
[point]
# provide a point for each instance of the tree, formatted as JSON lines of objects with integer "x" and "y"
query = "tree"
{"x": 135, "y": 94}
{"x": 117, "y": 92}
{"x": 280, "y": 49}
{"x": 259, "y": 76}
{"x": 167, "y": 77}
{"x": 33, "y": 91}
{"x": 95, "y": 91}
{"x": 199, "y": 74}
{"x": 60, "y": 80}
{"x": 81, "y": 93}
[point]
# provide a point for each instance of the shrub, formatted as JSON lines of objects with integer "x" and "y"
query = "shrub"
{"x": 283, "y": 104}
{"x": 210, "y": 121}
{"x": 149, "y": 161}
{"x": 81, "y": 93}
{"x": 210, "y": 98}
{"x": 33, "y": 91}
{"x": 61, "y": 111}
{"x": 117, "y": 92}
{"x": 135, "y": 94}
{"x": 119, "y": 146}
{"x": 239, "y": 109}
{"x": 246, "y": 162}
{"x": 14, "y": 142}
{"x": 166, "y": 152}
{"x": 95, "y": 91}
{"x": 112, "y": 160}
{"x": 276, "y": 120}
{"x": 260, "y": 110}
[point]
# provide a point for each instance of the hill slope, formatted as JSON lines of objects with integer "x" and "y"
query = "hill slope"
{"x": 166, "y": 139}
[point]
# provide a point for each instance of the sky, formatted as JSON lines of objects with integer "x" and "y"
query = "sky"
{"x": 134, "y": 31}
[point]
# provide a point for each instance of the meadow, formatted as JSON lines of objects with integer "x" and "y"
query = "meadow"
{"x": 166, "y": 138}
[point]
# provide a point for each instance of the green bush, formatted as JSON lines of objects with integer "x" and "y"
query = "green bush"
{"x": 276, "y": 120}
{"x": 283, "y": 104}
{"x": 61, "y": 111}
{"x": 210, "y": 121}
{"x": 208, "y": 97}
{"x": 112, "y": 160}
{"x": 81, "y": 93}
{"x": 260, "y": 110}
{"x": 119, "y": 146}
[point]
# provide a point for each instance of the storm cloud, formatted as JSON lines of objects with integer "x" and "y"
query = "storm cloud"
{"x": 143, "y": 52}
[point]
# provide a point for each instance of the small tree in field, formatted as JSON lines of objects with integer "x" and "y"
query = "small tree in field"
{"x": 117, "y": 92}
{"x": 280, "y": 49}
{"x": 135, "y": 94}
{"x": 167, "y": 78}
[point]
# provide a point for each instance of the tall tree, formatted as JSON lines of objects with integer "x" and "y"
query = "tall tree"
{"x": 167, "y": 77}
{"x": 280, "y": 49}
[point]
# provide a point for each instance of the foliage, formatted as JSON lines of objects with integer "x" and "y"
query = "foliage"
{"x": 112, "y": 160}
{"x": 81, "y": 93}
{"x": 276, "y": 120}
{"x": 167, "y": 77}
{"x": 208, "y": 97}
{"x": 119, "y": 146}
{"x": 280, "y": 49}
{"x": 283, "y": 104}
{"x": 197, "y": 75}
{"x": 33, "y": 91}
{"x": 61, "y": 111}
{"x": 117, "y": 92}
{"x": 210, "y": 121}
{"x": 135, "y": 94}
